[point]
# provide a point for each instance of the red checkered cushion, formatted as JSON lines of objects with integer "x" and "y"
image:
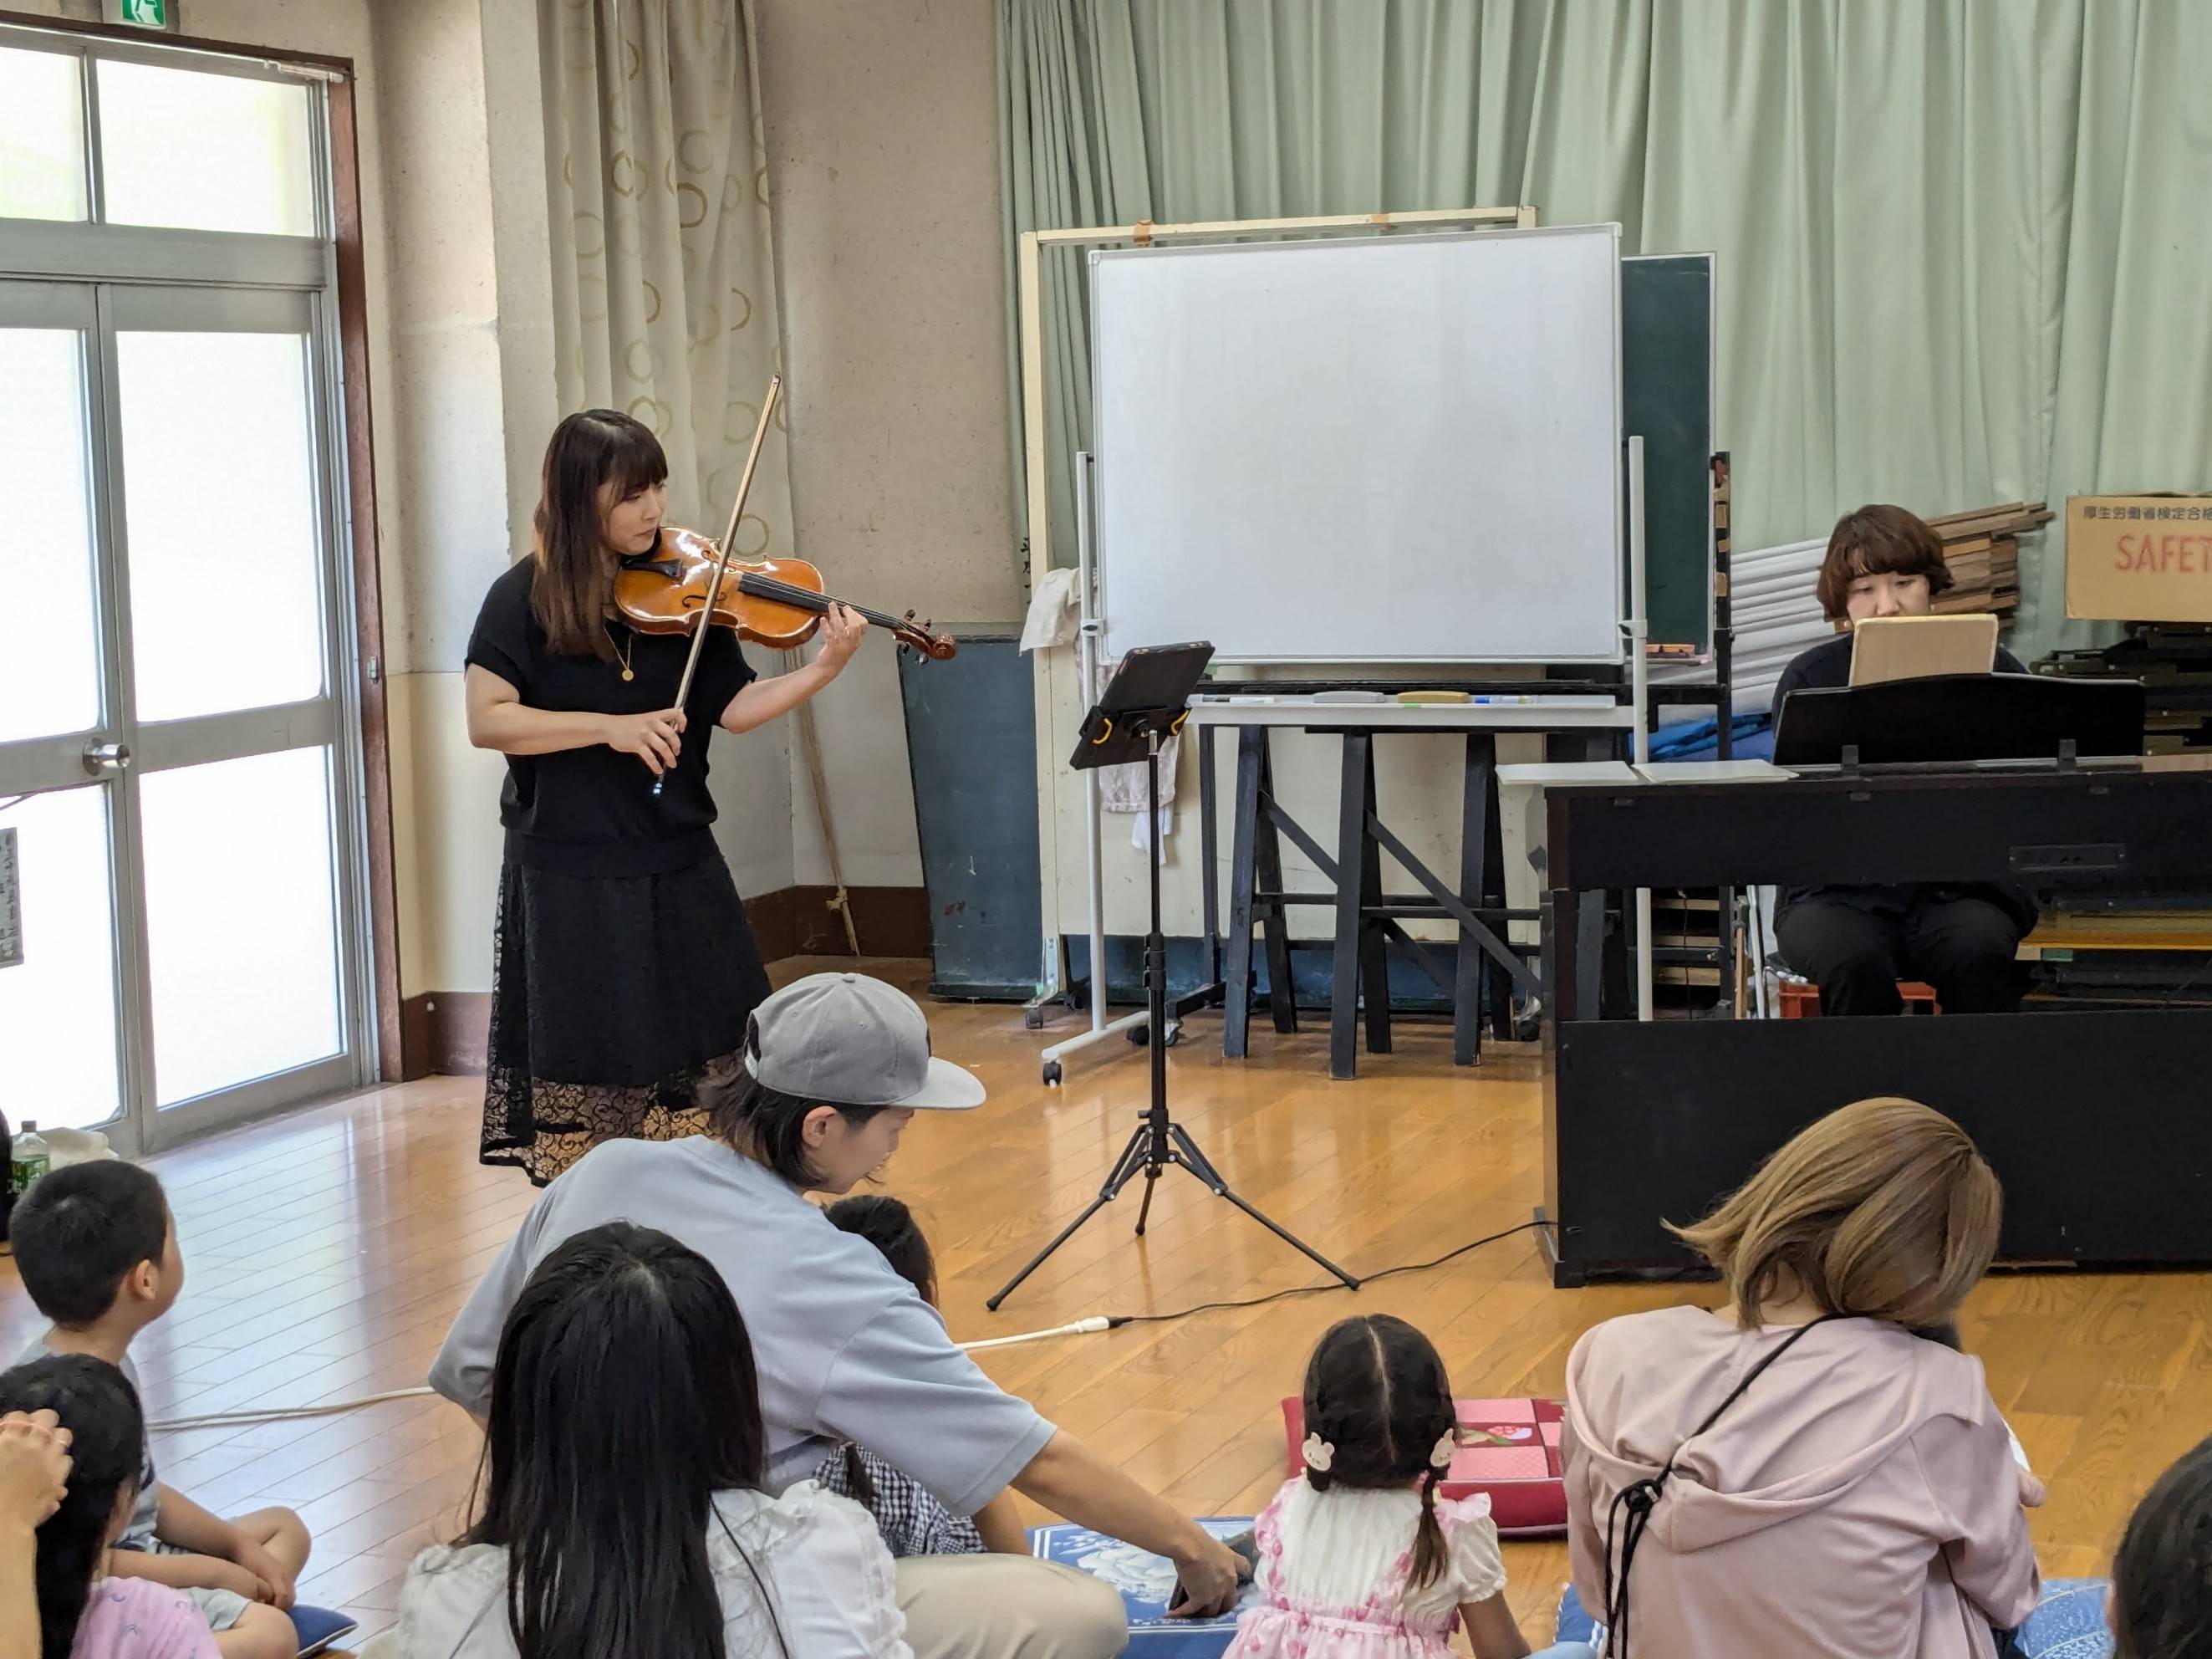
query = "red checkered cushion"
{"x": 1511, "y": 1456}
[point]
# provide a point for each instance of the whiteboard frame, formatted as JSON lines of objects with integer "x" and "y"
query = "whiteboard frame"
{"x": 1053, "y": 727}
{"x": 1624, "y": 603}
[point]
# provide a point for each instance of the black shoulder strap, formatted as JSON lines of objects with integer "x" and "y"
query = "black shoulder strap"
{"x": 1640, "y": 1497}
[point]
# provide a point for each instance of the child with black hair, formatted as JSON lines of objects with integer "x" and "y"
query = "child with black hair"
{"x": 83, "y": 1614}
{"x": 2161, "y": 1602}
{"x": 97, "y": 1249}
{"x": 1357, "y": 1559}
{"x": 912, "y": 1521}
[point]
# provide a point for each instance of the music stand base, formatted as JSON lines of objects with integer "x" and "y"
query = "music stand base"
{"x": 1144, "y": 1155}
{"x": 1159, "y": 1143}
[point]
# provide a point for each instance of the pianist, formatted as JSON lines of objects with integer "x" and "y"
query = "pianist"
{"x": 1856, "y": 942}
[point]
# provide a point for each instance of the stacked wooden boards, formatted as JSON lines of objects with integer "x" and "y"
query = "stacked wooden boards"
{"x": 1981, "y": 548}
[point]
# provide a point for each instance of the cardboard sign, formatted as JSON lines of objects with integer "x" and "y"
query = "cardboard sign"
{"x": 2139, "y": 558}
{"x": 1912, "y": 647}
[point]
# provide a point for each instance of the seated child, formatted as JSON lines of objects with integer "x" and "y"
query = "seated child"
{"x": 1356, "y": 1558}
{"x": 97, "y": 1252}
{"x": 81, "y": 1613}
{"x": 2161, "y": 1602}
{"x": 913, "y": 1522}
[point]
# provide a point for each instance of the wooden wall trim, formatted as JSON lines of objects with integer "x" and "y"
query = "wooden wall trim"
{"x": 371, "y": 672}
{"x": 444, "y": 1031}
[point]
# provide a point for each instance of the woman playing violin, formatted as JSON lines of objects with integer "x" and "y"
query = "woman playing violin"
{"x": 623, "y": 970}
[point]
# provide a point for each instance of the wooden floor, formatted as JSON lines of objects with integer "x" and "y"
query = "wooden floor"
{"x": 327, "y": 1250}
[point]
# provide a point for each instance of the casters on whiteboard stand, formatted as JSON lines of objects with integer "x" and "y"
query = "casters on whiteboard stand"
{"x": 1052, "y": 1074}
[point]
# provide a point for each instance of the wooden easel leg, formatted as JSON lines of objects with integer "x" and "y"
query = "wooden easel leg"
{"x": 1350, "y": 838}
{"x": 1374, "y": 941}
{"x": 1274, "y": 914}
{"x": 1236, "y": 973}
{"x": 1477, "y": 805}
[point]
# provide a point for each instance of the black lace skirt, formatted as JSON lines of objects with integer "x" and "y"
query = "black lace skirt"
{"x": 611, "y": 997}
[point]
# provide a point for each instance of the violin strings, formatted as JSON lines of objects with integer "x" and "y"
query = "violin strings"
{"x": 769, "y": 587}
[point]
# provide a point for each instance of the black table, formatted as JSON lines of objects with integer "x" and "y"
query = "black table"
{"x": 2095, "y": 1122}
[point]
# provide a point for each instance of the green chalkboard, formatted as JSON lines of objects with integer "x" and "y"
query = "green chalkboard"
{"x": 1667, "y": 391}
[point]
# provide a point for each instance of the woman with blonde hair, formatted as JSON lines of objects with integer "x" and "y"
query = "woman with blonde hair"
{"x": 1803, "y": 1470}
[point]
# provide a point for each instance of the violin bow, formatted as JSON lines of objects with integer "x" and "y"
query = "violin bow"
{"x": 729, "y": 544}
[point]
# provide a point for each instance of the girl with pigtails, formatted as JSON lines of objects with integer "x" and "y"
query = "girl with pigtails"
{"x": 1358, "y": 1558}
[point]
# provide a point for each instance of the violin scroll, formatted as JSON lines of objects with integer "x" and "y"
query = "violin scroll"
{"x": 923, "y": 639}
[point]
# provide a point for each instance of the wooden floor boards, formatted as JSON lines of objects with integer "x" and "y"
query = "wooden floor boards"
{"x": 326, "y": 1250}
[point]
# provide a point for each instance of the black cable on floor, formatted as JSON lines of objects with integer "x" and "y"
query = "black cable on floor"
{"x": 1115, "y": 1321}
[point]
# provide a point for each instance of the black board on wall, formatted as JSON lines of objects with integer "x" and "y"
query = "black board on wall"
{"x": 971, "y": 741}
{"x": 1667, "y": 395}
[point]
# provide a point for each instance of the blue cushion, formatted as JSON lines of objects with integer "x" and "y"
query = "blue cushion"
{"x": 319, "y": 1627}
{"x": 2067, "y": 1624}
{"x": 1147, "y": 1583}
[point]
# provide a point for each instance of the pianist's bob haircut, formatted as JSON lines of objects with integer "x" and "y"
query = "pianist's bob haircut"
{"x": 1878, "y": 540}
{"x": 1882, "y": 1210}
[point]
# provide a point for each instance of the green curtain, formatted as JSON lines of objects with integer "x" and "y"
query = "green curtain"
{"x": 664, "y": 274}
{"x": 1964, "y": 253}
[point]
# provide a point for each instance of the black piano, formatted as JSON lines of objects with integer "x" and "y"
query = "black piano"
{"x": 2098, "y": 1123}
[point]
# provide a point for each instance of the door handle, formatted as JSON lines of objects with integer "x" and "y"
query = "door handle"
{"x": 105, "y": 760}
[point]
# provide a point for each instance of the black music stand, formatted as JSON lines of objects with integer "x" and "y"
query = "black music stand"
{"x": 1950, "y": 720}
{"x": 1145, "y": 704}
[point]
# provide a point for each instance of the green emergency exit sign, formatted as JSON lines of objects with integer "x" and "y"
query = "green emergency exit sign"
{"x": 144, "y": 14}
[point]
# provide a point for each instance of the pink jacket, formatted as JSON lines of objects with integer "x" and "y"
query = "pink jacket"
{"x": 1861, "y": 1500}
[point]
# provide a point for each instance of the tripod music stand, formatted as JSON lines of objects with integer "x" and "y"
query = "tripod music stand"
{"x": 1146, "y": 703}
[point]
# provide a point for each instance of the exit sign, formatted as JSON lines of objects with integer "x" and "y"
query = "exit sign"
{"x": 144, "y": 14}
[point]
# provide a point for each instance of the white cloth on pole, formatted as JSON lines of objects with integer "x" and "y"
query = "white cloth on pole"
{"x": 1054, "y": 616}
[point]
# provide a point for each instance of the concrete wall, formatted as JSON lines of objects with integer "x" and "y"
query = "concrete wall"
{"x": 881, "y": 118}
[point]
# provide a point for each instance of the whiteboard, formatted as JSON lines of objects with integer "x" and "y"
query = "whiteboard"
{"x": 1389, "y": 449}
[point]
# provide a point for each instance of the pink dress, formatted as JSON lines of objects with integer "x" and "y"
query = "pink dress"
{"x": 139, "y": 1619}
{"x": 1334, "y": 1568}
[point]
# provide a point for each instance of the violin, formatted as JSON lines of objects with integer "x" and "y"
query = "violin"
{"x": 687, "y": 584}
{"x": 778, "y": 603}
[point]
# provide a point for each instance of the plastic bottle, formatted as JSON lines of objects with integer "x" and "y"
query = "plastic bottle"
{"x": 28, "y": 1158}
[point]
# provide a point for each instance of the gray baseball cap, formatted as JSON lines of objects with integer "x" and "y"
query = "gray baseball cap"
{"x": 847, "y": 1040}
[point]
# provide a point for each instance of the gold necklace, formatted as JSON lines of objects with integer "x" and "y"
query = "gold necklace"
{"x": 624, "y": 655}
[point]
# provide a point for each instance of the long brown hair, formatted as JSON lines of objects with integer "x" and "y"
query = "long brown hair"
{"x": 1882, "y": 1210}
{"x": 589, "y": 450}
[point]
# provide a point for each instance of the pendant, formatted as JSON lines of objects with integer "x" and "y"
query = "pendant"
{"x": 628, "y": 676}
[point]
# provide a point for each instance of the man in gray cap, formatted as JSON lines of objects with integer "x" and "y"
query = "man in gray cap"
{"x": 835, "y": 1067}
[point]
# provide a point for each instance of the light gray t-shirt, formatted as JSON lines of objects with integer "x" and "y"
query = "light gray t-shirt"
{"x": 139, "y": 1534}
{"x": 846, "y": 1349}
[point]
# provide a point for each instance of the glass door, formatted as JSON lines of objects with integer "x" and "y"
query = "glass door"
{"x": 62, "y": 1019}
{"x": 180, "y": 753}
{"x": 183, "y": 843}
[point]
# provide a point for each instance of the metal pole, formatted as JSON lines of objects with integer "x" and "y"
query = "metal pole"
{"x": 1089, "y": 629}
{"x": 1640, "y": 681}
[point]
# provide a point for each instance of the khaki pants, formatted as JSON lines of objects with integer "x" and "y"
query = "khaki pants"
{"x": 1007, "y": 1607}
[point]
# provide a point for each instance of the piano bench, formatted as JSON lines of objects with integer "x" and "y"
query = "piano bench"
{"x": 1800, "y": 999}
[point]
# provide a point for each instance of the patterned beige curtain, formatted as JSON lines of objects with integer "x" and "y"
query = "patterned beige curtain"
{"x": 664, "y": 290}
